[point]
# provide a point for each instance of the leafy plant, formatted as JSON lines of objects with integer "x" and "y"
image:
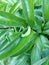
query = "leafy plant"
{"x": 24, "y": 32}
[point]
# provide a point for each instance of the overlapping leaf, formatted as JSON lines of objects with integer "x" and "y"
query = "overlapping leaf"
{"x": 10, "y": 17}
{"x": 28, "y": 11}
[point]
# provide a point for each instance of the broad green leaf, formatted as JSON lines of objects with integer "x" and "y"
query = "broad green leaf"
{"x": 12, "y": 23}
{"x": 26, "y": 45}
{"x": 25, "y": 9}
{"x": 12, "y": 17}
{"x": 28, "y": 10}
{"x": 29, "y": 42}
{"x": 31, "y": 12}
{"x": 45, "y": 8}
{"x": 36, "y": 51}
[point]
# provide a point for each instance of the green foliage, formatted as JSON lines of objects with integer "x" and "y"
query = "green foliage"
{"x": 46, "y": 10}
{"x": 24, "y": 32}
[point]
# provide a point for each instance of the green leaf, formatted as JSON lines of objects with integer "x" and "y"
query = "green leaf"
{"x": 12, "y": 17}
{"x": 25, "y": 9}
{"x": 31, "y": 11}
{"x": 28, "y": 42}
{"x": 12, "y": 23}
{"x": 45, "y": 8}
{"x": 36, "y": 51}
{"x": 28, "y": 10}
